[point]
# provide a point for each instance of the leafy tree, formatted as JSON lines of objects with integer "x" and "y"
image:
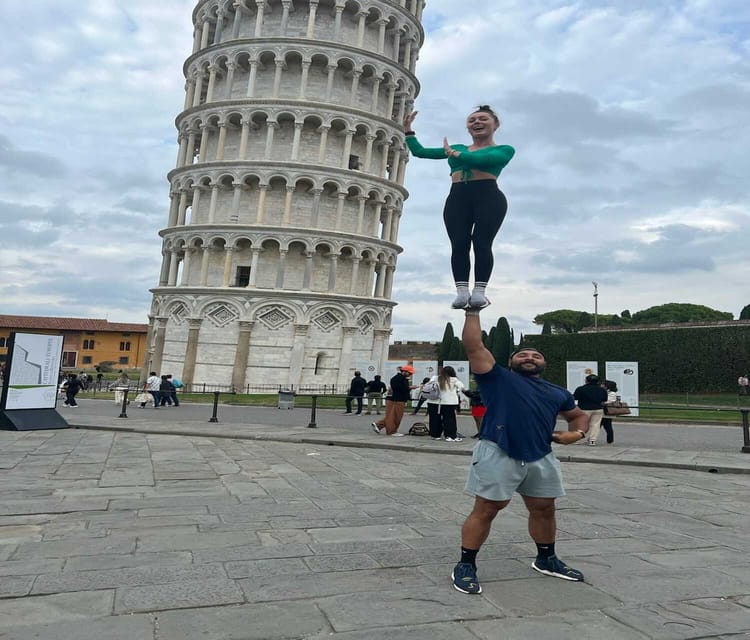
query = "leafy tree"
{"x": 547, "y": 328}
{"x": 745, "y": 313}
{"x": 678, "y": 312}
{"x": 565, "y": 320}
{"x": 625, "y": 314}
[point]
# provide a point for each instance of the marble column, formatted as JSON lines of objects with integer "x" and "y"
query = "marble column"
{"x": 239, "y": 370}
{"x": 191, "y": 351}
{"x": 297, "y": 357}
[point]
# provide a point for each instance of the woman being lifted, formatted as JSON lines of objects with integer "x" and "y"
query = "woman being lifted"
{"x": 475, "y": 207}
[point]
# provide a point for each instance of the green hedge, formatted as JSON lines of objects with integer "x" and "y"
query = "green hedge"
{"x": 669, "y": 360}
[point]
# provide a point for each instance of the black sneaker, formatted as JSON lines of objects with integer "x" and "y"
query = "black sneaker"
{"x": 464, "y": 578}
{"x": 555, "y": 567}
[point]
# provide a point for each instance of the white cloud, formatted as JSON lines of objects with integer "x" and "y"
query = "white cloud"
{"x": 628, "y": 117}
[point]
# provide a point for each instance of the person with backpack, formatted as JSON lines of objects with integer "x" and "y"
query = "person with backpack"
{"x": 375, "y": 389}
{"x": 443, "y": 408}
{"x": 421, "y": 396}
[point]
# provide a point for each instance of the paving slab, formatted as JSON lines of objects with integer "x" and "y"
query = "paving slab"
{"x": 704, "y": 617}
{"x": 184, "y": 594}
{"x": 21, "y": 612}
{"x": 398, "y": 607}
{"x": 248, "y": 622}
{"x": 129, "y": 627}
{"x": 577, "y": 625}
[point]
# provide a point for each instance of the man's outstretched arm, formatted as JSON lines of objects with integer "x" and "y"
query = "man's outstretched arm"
{"x": 480, "y": 358}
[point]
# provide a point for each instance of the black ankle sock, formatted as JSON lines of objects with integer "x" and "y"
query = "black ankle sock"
{"x": 469, "y": 556}
{"x": 545, "y": 550}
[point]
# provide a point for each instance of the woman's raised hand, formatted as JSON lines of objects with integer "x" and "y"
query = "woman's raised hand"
{"x": 408, "y": 119}
{"x": 448, "y": 151}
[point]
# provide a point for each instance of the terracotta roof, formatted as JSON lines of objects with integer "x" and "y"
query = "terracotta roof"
{"x": 68, "y": 324}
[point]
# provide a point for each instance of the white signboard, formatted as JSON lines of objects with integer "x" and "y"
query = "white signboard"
{"x": 463, "y": 373}
{"x": 625, "y": 376}
{"x": 34, "y": 367}
{"x": 422, "y": 369}
{"x": 577, "y": 370}
{"x": 368, "y": 368}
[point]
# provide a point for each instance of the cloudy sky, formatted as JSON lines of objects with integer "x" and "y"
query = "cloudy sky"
{"x": 629, "y": 119}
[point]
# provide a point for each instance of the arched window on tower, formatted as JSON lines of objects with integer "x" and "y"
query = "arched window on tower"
{"x": 319, "y": 363}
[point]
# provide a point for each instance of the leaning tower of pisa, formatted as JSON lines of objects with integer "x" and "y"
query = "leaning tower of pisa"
{"x": 280, "y": 248}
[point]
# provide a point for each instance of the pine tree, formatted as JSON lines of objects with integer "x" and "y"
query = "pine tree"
{"x": 547, "y": 328}
{"x": 502, "y": 346}
{"x": 444, "y": 348}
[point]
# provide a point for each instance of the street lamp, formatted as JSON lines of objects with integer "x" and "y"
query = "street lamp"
{"x": 596, "y": 304}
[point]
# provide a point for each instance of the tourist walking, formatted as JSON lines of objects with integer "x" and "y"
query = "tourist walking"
{"x": 152, "y": 386}
{"x": 610, "y": 386}
{"x": 72, "y": 387}
{"x": 166, "y": 389}
{"x": 591, "y": 398}
{"x": 395, "y": 402}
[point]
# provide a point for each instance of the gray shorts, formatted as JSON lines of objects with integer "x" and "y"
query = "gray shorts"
{"x": 494, "y": 475}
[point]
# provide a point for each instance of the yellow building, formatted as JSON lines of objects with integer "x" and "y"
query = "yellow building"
{"x": 86, "y": 342}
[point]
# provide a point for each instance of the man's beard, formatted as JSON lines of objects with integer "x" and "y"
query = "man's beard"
{"x": 526, "y": 370}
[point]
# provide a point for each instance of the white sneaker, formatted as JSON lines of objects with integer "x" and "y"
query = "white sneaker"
{"x": 376, "y": 428}
{"x": 397, "y": 435}
{"x": 454, "y": 439}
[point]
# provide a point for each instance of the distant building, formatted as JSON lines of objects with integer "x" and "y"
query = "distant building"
{"x": 413, "y": 350}
{"x": 86, "y": 341}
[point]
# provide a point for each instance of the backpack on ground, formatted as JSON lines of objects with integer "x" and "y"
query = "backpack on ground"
{"x": 431, "y": 390}
{"x": 419, "y": 429}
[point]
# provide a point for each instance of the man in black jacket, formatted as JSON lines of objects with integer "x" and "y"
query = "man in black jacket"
{"x": 395, "y": 402}
{"x": 72, "y": 387}
{"x": 590, "y": 398}
{"x": 356, "y": 390}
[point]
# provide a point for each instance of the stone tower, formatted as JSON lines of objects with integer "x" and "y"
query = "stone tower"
{"x": 281, "y": 244}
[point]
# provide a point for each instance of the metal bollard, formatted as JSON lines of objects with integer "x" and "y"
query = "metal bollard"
{"x": 314, "y": 406}
{"x": 216, "y": 407}
{"x": 124, "y": 408}
{"x": 745, "y": 431}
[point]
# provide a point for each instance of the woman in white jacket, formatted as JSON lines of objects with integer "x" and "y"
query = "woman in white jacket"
{"x": 442, "y": 411}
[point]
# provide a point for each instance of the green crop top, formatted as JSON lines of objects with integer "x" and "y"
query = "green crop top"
{"x": 489, "y": 159}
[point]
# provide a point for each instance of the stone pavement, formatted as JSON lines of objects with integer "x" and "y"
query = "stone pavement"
{"x": 708, "y": 448}
{"x": 134, "y": 535}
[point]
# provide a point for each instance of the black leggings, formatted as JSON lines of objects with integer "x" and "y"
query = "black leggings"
{"x": 442, "y": 419}
{"x": 473, "y": 214}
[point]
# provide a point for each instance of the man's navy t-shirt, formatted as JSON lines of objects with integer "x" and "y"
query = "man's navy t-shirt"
{"x": 521, "y": 412}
